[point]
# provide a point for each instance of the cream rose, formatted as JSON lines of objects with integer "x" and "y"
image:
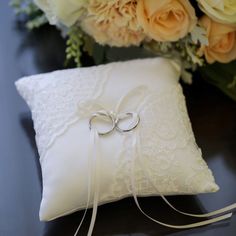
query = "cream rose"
{"x": 223, "y": 11}
{"x": 65, "y": 12}
{"x": 222, "y": 41}
{"x": 166, "y": 20}
{"x": 113, "y": 22}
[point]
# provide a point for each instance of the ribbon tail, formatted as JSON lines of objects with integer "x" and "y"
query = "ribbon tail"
{"x": 94, "y": 172}
{"x": 193, "y": 225}
{"x": 90, "y": 174}
{"x": 96, "y": 155}
{"x": 224, "y": 210}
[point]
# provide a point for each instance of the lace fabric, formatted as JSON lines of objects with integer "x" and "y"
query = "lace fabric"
{"x": 55, "y": 102}
{"x": 165, "y": 131}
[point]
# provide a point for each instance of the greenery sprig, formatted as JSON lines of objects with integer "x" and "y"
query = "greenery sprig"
{"x": 35, "y": 17}
{"x": 74, "y": 45}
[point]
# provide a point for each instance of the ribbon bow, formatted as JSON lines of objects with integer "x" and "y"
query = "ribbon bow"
{"x": 94, "y": 110}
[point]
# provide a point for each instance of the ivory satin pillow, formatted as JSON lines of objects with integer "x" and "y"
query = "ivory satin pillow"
{"x": 62, "y": 103}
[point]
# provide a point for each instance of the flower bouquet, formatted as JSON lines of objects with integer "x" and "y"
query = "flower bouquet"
{"x": 200, "y": 35}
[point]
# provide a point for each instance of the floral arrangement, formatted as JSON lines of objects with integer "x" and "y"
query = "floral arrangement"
{"x": 200, "y": 34}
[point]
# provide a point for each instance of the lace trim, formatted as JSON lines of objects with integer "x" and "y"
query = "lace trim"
{"x": 165, "y": 133}
{"x": 56, "y": 100}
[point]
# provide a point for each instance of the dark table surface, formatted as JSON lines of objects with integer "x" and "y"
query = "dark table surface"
{"x": 213, "y": 117}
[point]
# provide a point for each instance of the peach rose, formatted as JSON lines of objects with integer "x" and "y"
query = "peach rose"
{"x": 166, "y": 20}
{"x": 113, "y": 22}
{"x": 222, "y": 41}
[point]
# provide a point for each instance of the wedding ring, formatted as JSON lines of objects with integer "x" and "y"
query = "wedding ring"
{"x": 104, "y": 116}
{"x": 135, "y": 119}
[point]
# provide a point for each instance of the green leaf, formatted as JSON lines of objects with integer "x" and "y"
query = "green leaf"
{"x": 113, "y": 54}
{"x": 98, "y": 53}
{"x": 199, "y": 35}
{"x": 222, "y": 76}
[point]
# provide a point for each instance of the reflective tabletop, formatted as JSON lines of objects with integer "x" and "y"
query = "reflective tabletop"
{"x": 213, "y": 117}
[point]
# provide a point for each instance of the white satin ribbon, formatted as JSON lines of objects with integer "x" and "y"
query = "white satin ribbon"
{"x": 194, "y": 225}
{"x": 85, "y": 110}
